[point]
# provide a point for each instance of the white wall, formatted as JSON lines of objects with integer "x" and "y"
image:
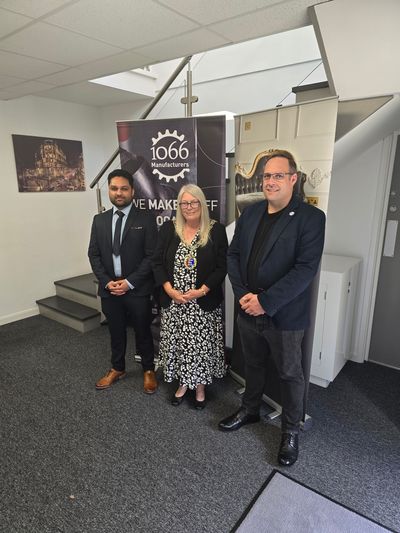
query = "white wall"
{"x": 43, "y": 236}
{"x": 356, "y": 204}
{"x": 240, "y": 94}
{"x": 250, "y": 76}
{"x": 359, "y": 63}
{"x": 110, "y": 115}
{"x": 266, "y": 53}
{"x": 360, "y": 40}
{"x": 357, "y": 207}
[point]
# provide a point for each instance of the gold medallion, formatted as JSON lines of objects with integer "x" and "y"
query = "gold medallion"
{"x": 190, "y": 262}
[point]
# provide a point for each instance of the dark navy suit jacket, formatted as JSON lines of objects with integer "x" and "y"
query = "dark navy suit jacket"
{"x": 289, "y": 263}
{"x": 137, "y": 245}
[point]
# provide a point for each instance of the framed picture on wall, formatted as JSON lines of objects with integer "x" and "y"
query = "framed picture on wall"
{"x": 46, "y": 164}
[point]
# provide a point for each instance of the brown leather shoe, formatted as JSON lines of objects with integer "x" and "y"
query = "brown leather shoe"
{"x": 150, "y": 382}
{"x": 111, "y": 377}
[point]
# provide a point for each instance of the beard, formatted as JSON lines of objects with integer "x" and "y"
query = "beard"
{"x": 121, "y": 202}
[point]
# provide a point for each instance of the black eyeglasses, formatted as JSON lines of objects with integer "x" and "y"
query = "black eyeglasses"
{"x": 193, "y": 204}
{"x": 277, "y": 176}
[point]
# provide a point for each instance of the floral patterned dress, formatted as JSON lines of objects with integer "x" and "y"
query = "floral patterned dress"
{"x": 192, "y": 340}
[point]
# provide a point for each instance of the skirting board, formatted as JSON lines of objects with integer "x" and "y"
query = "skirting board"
{"x": 7, "y": 319}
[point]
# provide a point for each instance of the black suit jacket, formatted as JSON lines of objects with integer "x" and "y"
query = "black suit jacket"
{"x": 211, "y": 264}
{"x": 289, "y": 263}
{"x": 137, "y": 246}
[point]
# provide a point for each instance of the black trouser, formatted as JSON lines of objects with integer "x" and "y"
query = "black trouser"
{"x": 121, "y": 311}
{"x": 260, "y": 340}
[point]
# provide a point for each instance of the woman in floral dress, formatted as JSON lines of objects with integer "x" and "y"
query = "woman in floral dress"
{"x": 190, "y": 266}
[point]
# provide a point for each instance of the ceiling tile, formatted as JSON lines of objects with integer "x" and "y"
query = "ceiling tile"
{"x": 26, "y": 67}
{"x": 33, "y": 8}
{"x": 77, "y": 40}
{"x": 28, "y": 87}
{"x": 102, "y": 67}
{"x": 65, "y": 77}
{"x": 119, "y": 63}
{"x": 55, "y": 44}
{"x": 182, "y": 45}
{"x": 92, "y": 94}
{"x": 6, "y": 95}
{"x": 134, "y": 23}
{"x": 278, "y": 18}
{"x": 10, "y": 22}
{"x": 209, "y": 11}
{"x": 7, "y": 81}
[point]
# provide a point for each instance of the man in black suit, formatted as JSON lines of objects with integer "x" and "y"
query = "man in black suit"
{"x": 121, "y": 245}
{"x": 273, "y": 258}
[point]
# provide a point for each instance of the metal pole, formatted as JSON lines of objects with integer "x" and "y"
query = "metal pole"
{"x": 100, "y": 206}
{"x": 166, "y": 86}
{"x": 184, "y": 100}
{"x": 189, "y": 91}
{"x": 188, "y": 99}
{"x": 145, "y": 114}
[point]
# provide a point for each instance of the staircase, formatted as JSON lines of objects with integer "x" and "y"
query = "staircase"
{"x": 75, "y": 305}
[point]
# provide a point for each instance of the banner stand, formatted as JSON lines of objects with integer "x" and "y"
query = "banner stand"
{"x": 270, "y": 410}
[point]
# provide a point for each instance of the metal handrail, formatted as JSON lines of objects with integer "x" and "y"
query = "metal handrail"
{"x": 145, "y": 114}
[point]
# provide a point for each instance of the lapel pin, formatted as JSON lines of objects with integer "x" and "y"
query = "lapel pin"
{"x": 291, "y": 213}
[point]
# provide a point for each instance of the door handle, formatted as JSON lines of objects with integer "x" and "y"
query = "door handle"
{"x": 390, "y": 238}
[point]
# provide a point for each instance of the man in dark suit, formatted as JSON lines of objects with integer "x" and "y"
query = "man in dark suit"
{"x": 121, "y": 245}
{"x": 273, "y": 258}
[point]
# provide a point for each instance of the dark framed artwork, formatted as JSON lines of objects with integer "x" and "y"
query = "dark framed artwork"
{"x": 48, "y": 165}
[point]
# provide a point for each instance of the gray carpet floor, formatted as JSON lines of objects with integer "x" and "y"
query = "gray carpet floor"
{"x": 77, "y": 460}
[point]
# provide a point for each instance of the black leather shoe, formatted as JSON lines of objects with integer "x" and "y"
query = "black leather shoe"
{"x": 177, "y": 400}
{"x": 199, "y": 404}
{"x": 237, "y": 420}
{"x": 289, "y": 449}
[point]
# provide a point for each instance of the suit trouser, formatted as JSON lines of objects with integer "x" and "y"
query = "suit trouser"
{"x": 121, "y": 311}
{"x": 260, "y": 339}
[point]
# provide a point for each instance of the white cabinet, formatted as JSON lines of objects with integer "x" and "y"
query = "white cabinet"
{"x": 334, "y": 317}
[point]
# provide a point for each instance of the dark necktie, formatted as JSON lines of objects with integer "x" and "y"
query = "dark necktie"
{"x": 117, "y": 234}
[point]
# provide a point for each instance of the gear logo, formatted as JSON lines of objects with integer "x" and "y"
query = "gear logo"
{"x": 169, "y": 156}
{"x": 167, "y": 133}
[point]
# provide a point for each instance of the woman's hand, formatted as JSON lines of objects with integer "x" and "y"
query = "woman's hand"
{"x": 175, "y": 295}
{"x": 193, "y": 294}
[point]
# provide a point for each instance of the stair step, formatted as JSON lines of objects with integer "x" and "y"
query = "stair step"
{"x": 86, "y": 284}
{"x": 81, "y": 289}
{"x": 69, "y": 313}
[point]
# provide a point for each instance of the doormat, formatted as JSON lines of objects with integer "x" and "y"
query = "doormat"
{"x": 284, "y": 505}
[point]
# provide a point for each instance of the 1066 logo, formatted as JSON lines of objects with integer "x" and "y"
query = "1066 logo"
{"x": 169, "y": 156}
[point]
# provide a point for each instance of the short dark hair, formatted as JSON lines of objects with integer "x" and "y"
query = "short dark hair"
{"x": 119, "y": 173}
{"x": 286, "y": 155}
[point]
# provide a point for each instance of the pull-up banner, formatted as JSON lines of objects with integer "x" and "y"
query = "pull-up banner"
{"x": 307, "y": 130}
{"x": 163, "y": 155}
